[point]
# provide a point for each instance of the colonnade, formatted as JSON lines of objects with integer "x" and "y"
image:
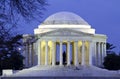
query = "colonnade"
{"x": 96, "y": 53}
{"x": 100, "y": 53}
{"x": 83, "y": 62}
{"x": 29, "y": 55}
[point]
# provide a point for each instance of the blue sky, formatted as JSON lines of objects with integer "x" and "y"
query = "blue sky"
{"x": 103, "y": 15}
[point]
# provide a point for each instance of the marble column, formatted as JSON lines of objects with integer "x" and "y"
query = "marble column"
{"x": 68, "y": 53}
{"x": 46, "y": 53}
{"x": 99, "y": 54}
{"x": 90, "y": 52}
{"x": 102, "y": 60}
{"x": 39, "y": 50}
{"x": 34, "y": 54}
{"x": 27, "y": 55}
{"x": 61, "y": 54}
{"x": 83, "y": 53}
{"x": 24, "y": 54}
{"x": 30, "y": 55}
{"x": 53, "y": 54}
{"x": 76, "y": 53}
{"x": 95, "y": 55}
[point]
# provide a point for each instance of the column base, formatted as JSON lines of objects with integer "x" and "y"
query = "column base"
{"x": 53, "y": 64}
{"x": 68, "y": 64}
{"x": 60, "y": 65}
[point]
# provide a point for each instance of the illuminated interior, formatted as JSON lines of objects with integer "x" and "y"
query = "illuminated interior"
{"x": 57, "y": 53}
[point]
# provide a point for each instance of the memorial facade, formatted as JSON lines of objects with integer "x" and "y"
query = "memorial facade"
{"x": 68, "y": 33}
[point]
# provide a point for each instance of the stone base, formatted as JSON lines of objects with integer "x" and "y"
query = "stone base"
{"x": 65, "y": 72}
{"x": 60, "y": 78}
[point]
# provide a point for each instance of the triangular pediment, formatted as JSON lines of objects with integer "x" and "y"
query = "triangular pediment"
{"x": 65, "y": 32}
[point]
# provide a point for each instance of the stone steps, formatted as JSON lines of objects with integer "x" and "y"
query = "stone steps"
{"x": 68, "y": 71}
{"x": 60, "y": 77}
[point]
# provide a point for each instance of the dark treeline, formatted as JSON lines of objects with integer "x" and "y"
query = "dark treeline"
{"x": 112, "y": 60}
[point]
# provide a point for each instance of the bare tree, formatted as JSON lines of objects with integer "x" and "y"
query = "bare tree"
{"x": 12, "y": 10}
{"x": 22, "y": 8}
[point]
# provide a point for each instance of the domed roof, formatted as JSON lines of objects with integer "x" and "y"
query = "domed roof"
{"x": 64, "y": 18}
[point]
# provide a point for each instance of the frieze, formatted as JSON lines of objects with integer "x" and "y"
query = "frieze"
{"x": 66, "y": 32}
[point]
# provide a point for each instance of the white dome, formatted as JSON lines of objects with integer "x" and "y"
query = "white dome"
{"x": 64, "y": 18}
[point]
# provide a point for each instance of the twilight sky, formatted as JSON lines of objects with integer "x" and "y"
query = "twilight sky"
{"x": 102, "y": 15}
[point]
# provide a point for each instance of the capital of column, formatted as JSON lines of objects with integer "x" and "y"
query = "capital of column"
{"x": 54, "y": 40}
{"x": 83, "y": 41}
{"x": 61, "y": 42}
{"x": 98, "y": 44}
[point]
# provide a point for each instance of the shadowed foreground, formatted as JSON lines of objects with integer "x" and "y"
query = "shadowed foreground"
{"x": 68, "y": 72}
{"x": 60, "y": 78}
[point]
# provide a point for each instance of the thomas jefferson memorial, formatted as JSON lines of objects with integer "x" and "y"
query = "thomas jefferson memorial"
{"x": 64, "y": 38}
{"x": 63, "y": 46}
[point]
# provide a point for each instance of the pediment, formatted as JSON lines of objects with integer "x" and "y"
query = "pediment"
{"x": 65, "y": 32}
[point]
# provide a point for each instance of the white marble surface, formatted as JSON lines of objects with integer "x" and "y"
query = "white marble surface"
{"x": 68, "y": 71}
